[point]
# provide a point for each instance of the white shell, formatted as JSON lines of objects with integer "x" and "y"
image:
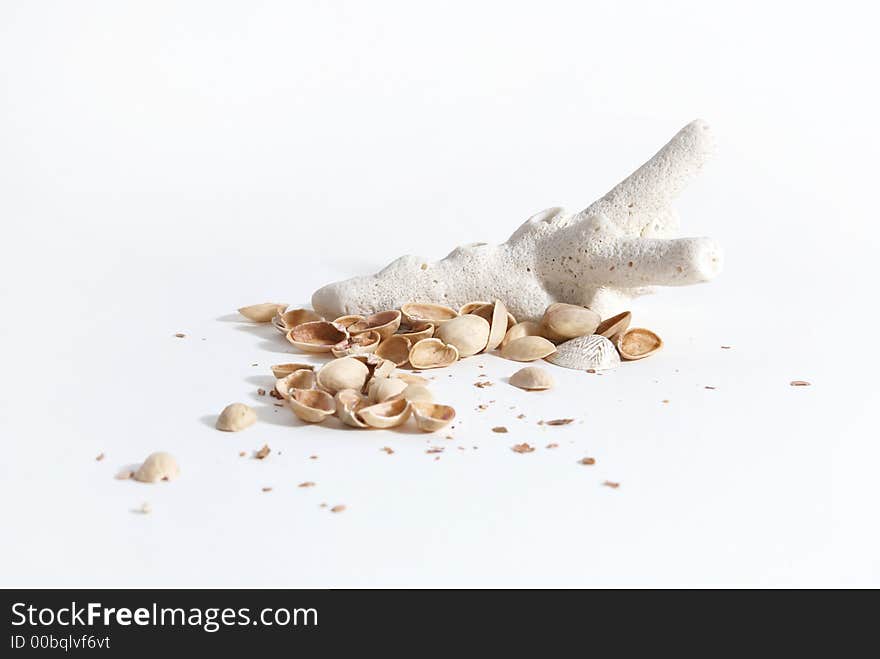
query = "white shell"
{"x": 586, "y": 352}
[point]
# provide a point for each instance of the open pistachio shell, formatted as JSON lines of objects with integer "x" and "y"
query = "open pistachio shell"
{"x": 525, "y": 328}
{"x": 289, "y": 319}
{"x": 382, "y": 389}
{"x": 613, "y": 327}
{"x": 431, "y": 417}
{"x": 532, "y": 378}
{"x": 157, "y": 467}
{"x": 485, "y": 310}
{"x": 497, "y": 325}
{"x": 235, "y": 417}
{"x": 528, "y": 349}
{"x": 311, "y": 405}
{"x": 416, "y": 312}
{"x": 384, "y": 322}
{"x": 302, "y": 379}
{"x": 262, "y": 313}
{"x": 345, "y": 373}
{"x": 359, "y": 344}
{"x": 563, "y": 321}
{"x": 417, "y": 332}
{"x": 283, "y": 370}
{"x": 349, "y": 403}
{"x": 586, "y": 353}
{"x": 348, "y": 321}
{"x": 432, "y": 353}
{"x": 317, "y": 336}
{"x": 469, "y": 334}
{"x": 417, "y": 393}
{"x": 395, "y": 349}
{"x": 386, "y": 415}
{"x": 638, "y": 343}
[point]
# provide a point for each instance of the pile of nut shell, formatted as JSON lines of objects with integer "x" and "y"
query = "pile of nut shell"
{"x": 364, "y": 389}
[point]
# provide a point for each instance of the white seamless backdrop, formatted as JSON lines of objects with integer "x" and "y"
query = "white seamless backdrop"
{"x": 164, "y": 163}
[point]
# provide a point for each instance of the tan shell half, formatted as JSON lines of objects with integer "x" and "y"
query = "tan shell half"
{"x": 262, "y": 313}
{"x": 349, "y": 403}
{"x": 613, "y": 327}
{"x": 386, "y": 415}
{"x": 417, "y": 393}
{"x": 638, "y": 343}
{"x": 469, "y": 334}
{"x": 528, "y": 349}
{"x": 532, "y": 378}
{"x": 348, "y": 321}
{"x": 432, "y": 353}
{"x": 395, "y": 349}
{"x": 497, "y": 325}
{"x": 302, "y": 379}
{"x": 235, "y": 417}
{"x": 471, "y": 307}
{"x": 283, "y": 370}
{"x": 431, "y": 417}
{"x": 417, "y": 312}
{"x": 359, "y": 344}
{"x": 384, "y": 322}
{"x": 157, "y": 467}
{"x": 382, "y": 389}
{"x": 290, "y": 319}
{"x": 311, "y": 405}
{"x": 525, "y": 328}
{"x": 345, "y": 373}
{"x": 563, "y": 321}
{"x": 417, "y": 332}
{"x": 584, "y": 353}
{"x": 317, "y": 336}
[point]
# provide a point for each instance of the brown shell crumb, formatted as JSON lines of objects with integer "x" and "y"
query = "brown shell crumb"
{"x": 501, "y": 429}
{"x": 313, "y": 457}
{"x": 587, "y": 461}
{"x": 274, "y": 393}
{"x": 559, "y": 422}
{"x": 99, "y": 457}
{"x": 522, "y": 448}
{"x": 552, "y": 445}
{"x": 306, "y": 484}
{"x": 388, "y": 450}
{"x": 241, "y": 454}
{"x": 261, "y": 392}
{"x": 263, "y": 452}
{"x": 337, "y": 509}
{"x": 611, "y": 484}
{"x": 180, "y": 335}
{"x": 483, "y": 384}
{"x": 799, "y": 383}
{"x": 709, "y": 387}
{"x": 267, "y": 489}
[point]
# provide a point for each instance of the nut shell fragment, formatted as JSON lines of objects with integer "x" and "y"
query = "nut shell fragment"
{"x": 638, "y": 343}
{"x": 349, "y": 403}
{"x": 262, "y": 313}
{"x": 382, "y": 389}
{"x": 586, "y": 352}
{"x": 157, "y": 467}
{"x": 395, "y": 349}
{"x": 386, "y": 415}
{"x": 317, "y": 336}
{"x": 613, "y": 327}
{"x": 528, "y": 349}
{"x": 384, "y": 322}
{"x": 345, "y": 373}
{"x": 532, "y": 378}
{"x": 235, "y": 417}
{"x": 498, "y": 325}
{"x": 417, "y": 393}
{"x": 304, "y": 378}
{"x": 359, "y": 344}
{"x": 286, "y": 320}
{"x": 416, "y": 312}
{"x": 431, "y": 417}
{"x": 348, "y": 321}
{"x": 283, "y": 370}
{"x": 469, "y": 334}
{"x": 311, "y": 405}
{"x": 432, "y": 353}
{"x": 417, "y": 332}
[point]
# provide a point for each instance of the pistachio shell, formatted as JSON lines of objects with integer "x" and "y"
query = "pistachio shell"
{"x": 638, "y": 343}
{"x": 235, "y": 417}
{"x": 417, "y": 332}
{"x": 525, "y": 328}
{"x": 528, "y": 349}
{"x": 262, "y": 313}
{"x": 395, "y": 349}
{"x": 382, "y": 389}
{"x": 613, "y": 327}
{"x": 290, "y": 319}
{"x": 586, "y": 352}
{"x": 431, "y": 417}
{"x": 348, "y": 321}
{"x": 485, "y": 310}
{"x": 563, "y": 321}
{"x": 349, "y": 403}
{"x": 386, "y": 415}
{"x": 416, "y": 312}
{"x": 417, "y": 393}
{"x": 532, "y": 378}
{"x": 283, "y": 370}
{"x": 157, "y": 467}
{"x": 359, "y": 344}
{"x": 432, "y": 353}
{"x": 471, "y": 307}
{"x": 498, "y": 326}
{"x": 317, "y": 336}
{"x": 304, "y": 378}
{"x": 469, "y": 334}
{"x": 345, "y": 373}
{"x": 384, "y": 322}
{"x": 311, "y": 405}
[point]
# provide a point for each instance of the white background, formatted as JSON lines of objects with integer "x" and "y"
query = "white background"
{"x": 163, "y": 163}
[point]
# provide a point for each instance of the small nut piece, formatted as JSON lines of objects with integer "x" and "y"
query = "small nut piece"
{"x": 532, "y": 378}
{"x": 235, "y": 417}
{"x": 262, "y": 313}
{"x": 345, "y": 373}
{"x": 432, "y": 353}
{"x": 469, "y": 334}
{"x": 157, "y": 467}
{"x": 528, "y": 349}
{"x": 638, "y": 343}
{"x": 317, "y": 336}
{"x": 386, "y": 415}
{"x": 311, "y": 405}
{"x": 384, "y": 322}
{"x": 431, "y": 417}
{"x": 563, "y": 321}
